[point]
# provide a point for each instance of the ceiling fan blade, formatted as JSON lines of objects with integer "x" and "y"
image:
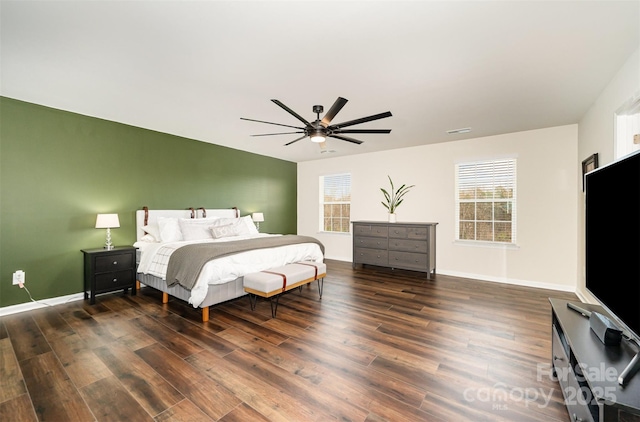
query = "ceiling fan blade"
{"x": 362, "y": 131}
{"x": 345, "y": 138}
{"x": 335, "y": 108}
{"x": 293, "y": 113}
{"x": 361, "y": 120}
{"x": 270, "y": 123}
{"x": 295, "y": 140}
{"x": 279, "y": 133}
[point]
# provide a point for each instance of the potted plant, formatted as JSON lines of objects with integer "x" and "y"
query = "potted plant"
{"x": 394, "y": 199}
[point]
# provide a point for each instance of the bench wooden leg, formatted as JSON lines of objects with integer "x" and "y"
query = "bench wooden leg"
{"x": 320, "y": 286}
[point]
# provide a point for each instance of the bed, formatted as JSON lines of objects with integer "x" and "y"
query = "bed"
{"x": 163, "y": 236}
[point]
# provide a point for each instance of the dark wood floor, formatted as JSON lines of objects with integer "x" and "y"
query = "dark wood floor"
{"x": 381, "y": 345}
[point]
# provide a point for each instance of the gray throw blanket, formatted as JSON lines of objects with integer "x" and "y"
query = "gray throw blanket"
{"x": 185, "y": 263}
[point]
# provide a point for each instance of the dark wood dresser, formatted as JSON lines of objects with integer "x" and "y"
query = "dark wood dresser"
{"x": 408, "y": 246}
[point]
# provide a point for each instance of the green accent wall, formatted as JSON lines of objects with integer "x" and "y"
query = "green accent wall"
{"x": 59, "y": 169}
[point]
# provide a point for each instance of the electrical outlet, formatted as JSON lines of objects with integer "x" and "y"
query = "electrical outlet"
{"x": 18, "y": 277}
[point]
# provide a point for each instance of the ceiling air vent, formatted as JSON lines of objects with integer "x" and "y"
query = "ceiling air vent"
{"x": 457, "y": 131}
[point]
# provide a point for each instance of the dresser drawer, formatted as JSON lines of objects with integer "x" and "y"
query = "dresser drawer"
{"x": 407, "y": 245}
{"x": 408, "y": 260}
{"x": 370, "y": 230}
{"x": 114, "y": 280}
{"x": 371, "y": 256}
{"x": 408, "y": 232}
{"x": 370, "y": 242}
{"x": 114, "y": 262}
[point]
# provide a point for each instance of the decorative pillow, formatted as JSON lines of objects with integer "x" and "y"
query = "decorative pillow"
{"x": 228, "y": 230}
{"x": 153, "y": 231}
{"x": 245, "y": 225}
{"x": 169, "y": 229}
{"x": 196, "y": 228}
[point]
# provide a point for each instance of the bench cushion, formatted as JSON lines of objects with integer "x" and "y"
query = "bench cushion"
{"x": 271, "y": 282}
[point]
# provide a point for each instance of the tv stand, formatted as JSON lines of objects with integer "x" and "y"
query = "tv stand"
{"x": 588, "y": 371}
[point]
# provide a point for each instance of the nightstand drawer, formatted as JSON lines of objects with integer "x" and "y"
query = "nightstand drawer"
{"x": 114, "y": 262}
{"x": 114, "y": 280}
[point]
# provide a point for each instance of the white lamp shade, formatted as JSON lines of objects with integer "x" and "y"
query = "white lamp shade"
{"x": 258, "y": 217}
{"x": 107, "y": 221}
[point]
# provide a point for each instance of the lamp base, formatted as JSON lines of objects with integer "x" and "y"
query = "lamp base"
{"x": 107, "y": 244}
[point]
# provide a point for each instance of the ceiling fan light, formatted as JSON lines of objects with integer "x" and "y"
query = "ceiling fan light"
{"x": 317, "y": 136}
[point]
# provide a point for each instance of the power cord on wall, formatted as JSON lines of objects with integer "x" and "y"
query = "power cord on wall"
{"x": 22, "y": 286}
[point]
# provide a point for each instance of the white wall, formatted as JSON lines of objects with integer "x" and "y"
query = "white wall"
{"x": 547, "y": 201}
{"x": 597, "y": 134}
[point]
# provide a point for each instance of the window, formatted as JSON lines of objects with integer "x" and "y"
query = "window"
{"x": 628, "y": 127}
{"x": 335, "y": 203}
{"x": 486, "y": 201}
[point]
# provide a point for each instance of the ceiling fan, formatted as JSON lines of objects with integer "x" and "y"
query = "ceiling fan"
{"x": 321, "y": 129}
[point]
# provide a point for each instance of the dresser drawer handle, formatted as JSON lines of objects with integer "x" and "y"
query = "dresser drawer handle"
{"x": 115, "y": 262}
{"x": 115, "y": 280}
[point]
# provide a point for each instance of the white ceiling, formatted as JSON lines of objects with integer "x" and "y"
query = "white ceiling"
{"x": 194, "y": 68}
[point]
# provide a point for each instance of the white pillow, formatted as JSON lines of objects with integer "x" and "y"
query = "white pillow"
{"x": 148, "y": 238}
{"x": 169, "y": 229}
{"x": 153, "y": 231}
{"x": 228, "y": 230}
{"x": 196, "y": 228}
{"x": 250, "y": 225}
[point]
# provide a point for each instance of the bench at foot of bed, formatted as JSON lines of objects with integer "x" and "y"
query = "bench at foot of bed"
{"x": 274, "y": 282}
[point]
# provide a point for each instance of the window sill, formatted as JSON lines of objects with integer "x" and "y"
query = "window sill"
{"x": 490, "y": 245}
{"x": 335, "y": 233}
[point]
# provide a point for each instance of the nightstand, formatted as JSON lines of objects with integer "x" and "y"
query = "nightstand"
{"x": 109, "y": 270}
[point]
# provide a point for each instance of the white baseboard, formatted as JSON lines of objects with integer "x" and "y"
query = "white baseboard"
{"x": 505, "y": 280}
{"x": 38, "y": 304}
{"x": 29, "y": 306}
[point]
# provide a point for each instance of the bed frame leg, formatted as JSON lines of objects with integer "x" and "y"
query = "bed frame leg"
{"x": 205, "y": 314}
{"x": 165, "y": 297}
{"x": 320, "y": 286}
{"x": 137, "y": 284}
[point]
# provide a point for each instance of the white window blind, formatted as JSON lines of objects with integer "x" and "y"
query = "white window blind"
{"x": 335, "y": 203}
{"x": 486, "y": 201}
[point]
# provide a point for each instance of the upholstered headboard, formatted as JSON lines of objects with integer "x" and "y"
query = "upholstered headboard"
{"x": 145, "y": 216}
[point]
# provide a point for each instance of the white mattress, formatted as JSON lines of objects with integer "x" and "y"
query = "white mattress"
{"x": 155, "y": 256}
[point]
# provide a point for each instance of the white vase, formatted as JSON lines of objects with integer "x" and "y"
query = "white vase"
{"x": 392, "y": 217}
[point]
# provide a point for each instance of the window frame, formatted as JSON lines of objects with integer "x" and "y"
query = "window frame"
{"x": 345, "y": 223}
{"x": 499, "y": 167}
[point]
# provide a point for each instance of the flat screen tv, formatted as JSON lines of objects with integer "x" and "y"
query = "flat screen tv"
{"x": 612, "y": 236}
